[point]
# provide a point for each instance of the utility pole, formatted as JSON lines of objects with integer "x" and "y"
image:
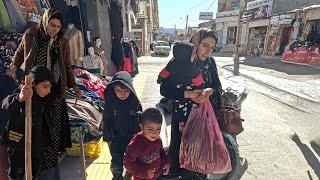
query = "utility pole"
{"x": 236, "y": 61}
{"x": 175, "y": 29}
{"x": 186, "y": 33}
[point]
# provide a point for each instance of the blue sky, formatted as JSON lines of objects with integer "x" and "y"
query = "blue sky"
{"x": 175, "y": 11}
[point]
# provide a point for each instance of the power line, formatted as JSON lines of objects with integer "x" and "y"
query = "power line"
{"x": 210, "y": 5}
{"x": 196, "y": 5}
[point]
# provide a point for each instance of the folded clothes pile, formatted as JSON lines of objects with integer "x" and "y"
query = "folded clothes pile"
{"x": 87, "y": 111}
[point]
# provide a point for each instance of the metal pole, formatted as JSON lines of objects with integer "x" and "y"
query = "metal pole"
{"x": 186, "y": 33}
{"x": 236, "y": 61}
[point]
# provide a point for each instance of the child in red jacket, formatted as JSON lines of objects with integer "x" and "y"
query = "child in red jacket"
{"x": 145, "y": 157}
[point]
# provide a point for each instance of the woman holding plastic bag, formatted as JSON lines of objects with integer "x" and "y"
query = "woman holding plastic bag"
{"x": 204, "y": 41}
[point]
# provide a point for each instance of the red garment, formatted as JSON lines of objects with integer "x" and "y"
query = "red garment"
{"x": 127, "y": 65}
{"x": 98, "y": 88}
{"x": 143, "y": 155}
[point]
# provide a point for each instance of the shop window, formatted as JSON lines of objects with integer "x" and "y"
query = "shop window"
{"x": 232, "y": 34}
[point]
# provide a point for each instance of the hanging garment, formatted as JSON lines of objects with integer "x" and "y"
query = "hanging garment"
{"x": 117, "y": 54}
{"x": 16, "y": 18}
{"x": 127, "y": 65}
{"x": 75, "y": 38}
{"x": 116, "y": 24}
{"x": 134, "y": 59}
{"x": 71, "y": 2}
{"x": 4, "y": 17}
{"x": 93, "y": 62}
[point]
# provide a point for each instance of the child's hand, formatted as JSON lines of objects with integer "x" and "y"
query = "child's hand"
{"x": 150, "y": 173}
{"x": 181, "y": 126}
{"x": 26, "y": 93}
{"x": 166, "y": 169}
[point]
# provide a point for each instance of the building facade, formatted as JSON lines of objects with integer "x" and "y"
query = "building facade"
{"x": 146, "y": 28}
{"x": 297, "y": 20}
{"x": 255, "y": 19}
{"x": 227, "y": 24}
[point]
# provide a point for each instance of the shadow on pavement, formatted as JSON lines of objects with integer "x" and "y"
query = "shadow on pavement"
{"x": 71, "y": 167}
{"x": 308, "y": 155}
{"x": 277, "y": 65}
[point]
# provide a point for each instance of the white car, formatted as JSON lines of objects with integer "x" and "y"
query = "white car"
{"x": 162, "y": 47}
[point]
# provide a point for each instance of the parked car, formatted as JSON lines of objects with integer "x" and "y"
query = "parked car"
{"x": 162, "y": 47}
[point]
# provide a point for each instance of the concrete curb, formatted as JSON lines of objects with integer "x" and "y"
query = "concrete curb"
{"x": 296, "y": 100}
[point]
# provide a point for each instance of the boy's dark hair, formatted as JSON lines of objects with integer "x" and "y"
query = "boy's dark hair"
{"x": 120, "y": 85}
{"x": 151, "y": 115}
{"x": 40, "y": 74}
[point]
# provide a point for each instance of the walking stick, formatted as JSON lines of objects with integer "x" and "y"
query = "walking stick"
{"x": 28, "y": 132}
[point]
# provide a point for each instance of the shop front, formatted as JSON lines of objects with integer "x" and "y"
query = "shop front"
{"x": 226, "y": 27}
{"x": 255, "y": 22}
{"x": 305, "y": 48}
{"x": 279, "y": 34}
{"x": 256, "y": 39}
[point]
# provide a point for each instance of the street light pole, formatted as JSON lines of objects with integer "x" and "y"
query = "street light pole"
{"x": 187, "y": 31}
{"x": 236, "y": 61}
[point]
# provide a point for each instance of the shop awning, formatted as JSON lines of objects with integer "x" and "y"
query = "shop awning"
{"x": 311, "y": 7}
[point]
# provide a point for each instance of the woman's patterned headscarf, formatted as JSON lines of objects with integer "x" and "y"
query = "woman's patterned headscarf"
{"x": 201, "y": 34}
{"x": 47, "y": 16}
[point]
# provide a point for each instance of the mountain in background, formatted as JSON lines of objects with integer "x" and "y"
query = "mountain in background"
{"x": 170, "y": 31}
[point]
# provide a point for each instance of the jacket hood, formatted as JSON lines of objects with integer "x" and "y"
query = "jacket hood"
{"x": 124, "y": 78}
{"x": 182, "y": 51}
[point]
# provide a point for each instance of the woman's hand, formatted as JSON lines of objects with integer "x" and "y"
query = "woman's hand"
{"x": 191, "y": 94}
{"x": 26, "y": 93}
{"x": 166, "y": 169}
{"x": 204, "y": 94}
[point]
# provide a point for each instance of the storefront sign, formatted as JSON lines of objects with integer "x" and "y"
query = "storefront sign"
{"x": 260, "y": 12}
{"x": 206, "y": 16}
{"x": 312, "y": 14}
{"x": 255, "y": 14}
{"x": 285, "y": 19}
{"x": 246, "y": 16}
{"x": 228, "y": 13}
{"x": 235, "y": 4}
{"x": 258, "y": 4}
{"x": 274, "y": 20}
